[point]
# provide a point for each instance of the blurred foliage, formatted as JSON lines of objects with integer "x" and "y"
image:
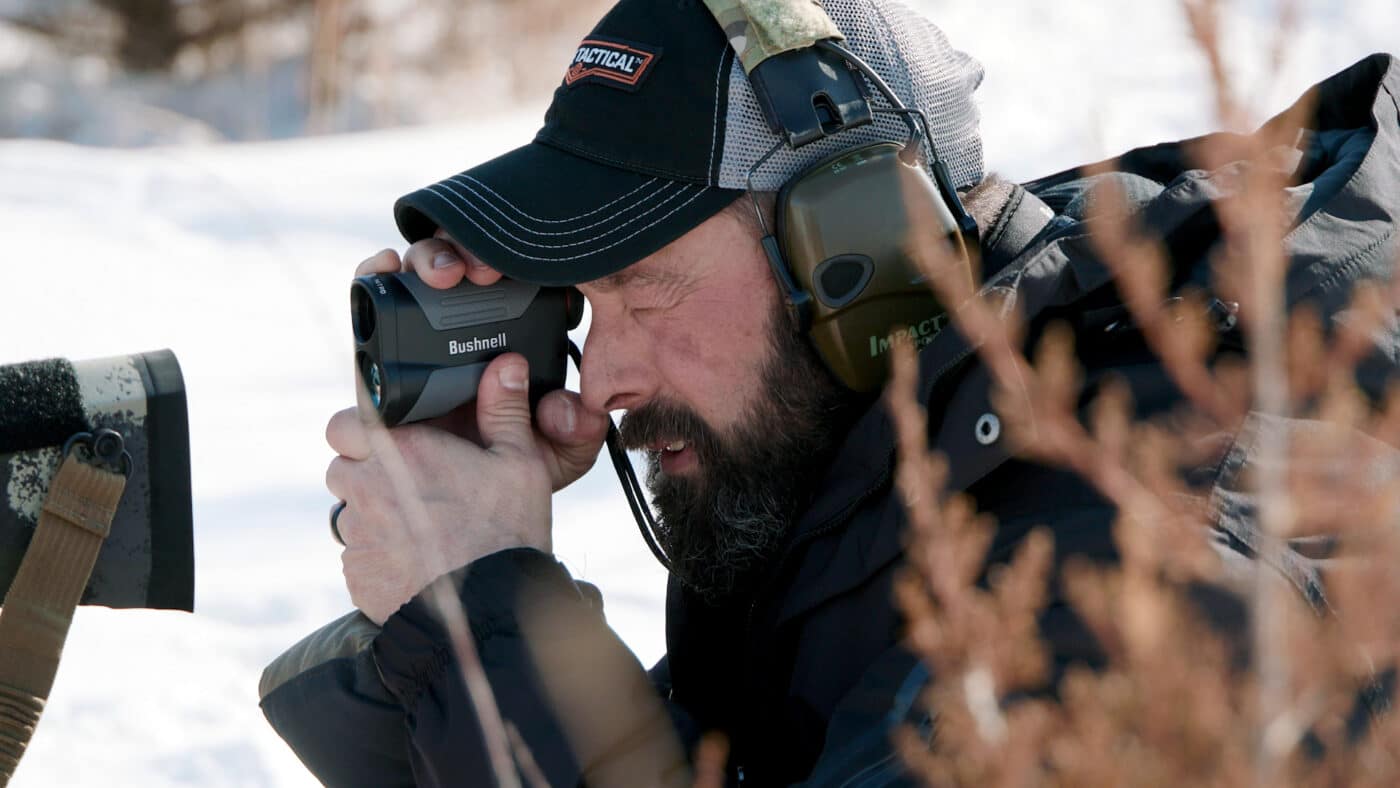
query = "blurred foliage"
{"x": 288, "y": 66}
{"x": 148, "y": 35}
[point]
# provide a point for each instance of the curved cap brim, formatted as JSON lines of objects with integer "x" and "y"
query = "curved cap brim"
{"x": 545, "y": 216}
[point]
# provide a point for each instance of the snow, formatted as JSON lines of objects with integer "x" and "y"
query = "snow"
{"x": 237, "y": 257}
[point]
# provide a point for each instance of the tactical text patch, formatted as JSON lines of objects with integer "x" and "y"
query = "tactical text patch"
{"x": 619, "y": 64}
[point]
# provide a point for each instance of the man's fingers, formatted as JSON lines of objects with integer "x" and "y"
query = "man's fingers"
{"x": 347, "y": 524}
{"x": 351, "y": 481}
{"x": 385, "y": 262}
{"x": 342, "y": 479}
{"x": 439, "y": 261}
{"x": 480, "y": 274}
{"x": 348, "y": 435}
{"x": 436, "y": 263}
{"x": 442, "y": 263}
{"x": 503, "y": 403}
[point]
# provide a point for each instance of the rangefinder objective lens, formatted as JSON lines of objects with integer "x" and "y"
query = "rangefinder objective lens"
{"x": 375, "y": 386}
{"x": 374, "y": 380}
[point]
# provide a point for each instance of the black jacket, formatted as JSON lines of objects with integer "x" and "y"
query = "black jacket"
{"x": 808, "y": 678}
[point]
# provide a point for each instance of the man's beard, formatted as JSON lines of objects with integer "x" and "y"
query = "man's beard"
{"x": 724, "y": 524}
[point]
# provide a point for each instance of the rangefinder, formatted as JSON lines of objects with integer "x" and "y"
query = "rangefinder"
{"x": 421, "y": 351}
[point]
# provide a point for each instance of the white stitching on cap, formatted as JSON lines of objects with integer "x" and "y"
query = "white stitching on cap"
{"x": 497, "y": 241}
{"x": 583, "y": 242}
{"x": 714, "y": 129}
{"x": 513, "y": 207}
{"x": 610, "y": 218}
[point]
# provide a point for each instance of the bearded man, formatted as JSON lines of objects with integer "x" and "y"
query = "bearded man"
{"x": 771, "y": 479}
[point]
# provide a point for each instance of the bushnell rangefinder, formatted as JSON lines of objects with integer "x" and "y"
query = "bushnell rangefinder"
{"x": 421, "y": 351}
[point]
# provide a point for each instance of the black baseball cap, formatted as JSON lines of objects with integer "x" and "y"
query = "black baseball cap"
{"x": 625, "y": 164}
{"x": 654, "y": 129}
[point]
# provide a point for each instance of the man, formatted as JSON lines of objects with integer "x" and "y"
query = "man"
{"x": 772, "y": 482}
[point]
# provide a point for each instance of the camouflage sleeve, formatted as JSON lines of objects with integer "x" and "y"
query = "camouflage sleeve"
{"x": 760, "y": 29}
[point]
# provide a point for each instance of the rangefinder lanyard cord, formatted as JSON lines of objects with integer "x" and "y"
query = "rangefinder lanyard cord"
{"x": 627, "y": 476}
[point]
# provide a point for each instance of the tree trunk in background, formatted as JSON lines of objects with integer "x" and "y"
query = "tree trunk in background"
{"x": 315, "y": 66}
{"x": 150, "y": 36}
{"x": 323, "y": 79}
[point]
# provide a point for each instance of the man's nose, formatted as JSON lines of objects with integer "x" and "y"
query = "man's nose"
{"x": 616, "y": 372}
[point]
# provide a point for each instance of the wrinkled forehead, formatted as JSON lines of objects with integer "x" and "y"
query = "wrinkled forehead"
{"x": 643, "y": 274}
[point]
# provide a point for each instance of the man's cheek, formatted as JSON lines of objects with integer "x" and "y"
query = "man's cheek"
{"x": 678, "y": 339}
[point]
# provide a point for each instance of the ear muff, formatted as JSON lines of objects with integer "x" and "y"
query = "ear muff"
{"x": 844, "y": 226}
{"x": 844, "y": 230}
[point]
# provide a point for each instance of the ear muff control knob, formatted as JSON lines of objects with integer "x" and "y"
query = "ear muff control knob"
{"x": 840, "y": 280}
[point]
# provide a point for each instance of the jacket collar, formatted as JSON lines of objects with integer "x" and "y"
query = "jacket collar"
{"x": 863, "y": 467}
{"x": 863, "y": 464}
{"x": 866, "y": 456}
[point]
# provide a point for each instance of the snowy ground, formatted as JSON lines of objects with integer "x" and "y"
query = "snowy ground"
{"x": 237, "y": 257}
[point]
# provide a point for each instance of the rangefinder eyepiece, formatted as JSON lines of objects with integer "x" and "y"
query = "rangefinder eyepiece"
{"x": 361, "y": 314}
{"x": 421, "y": 352}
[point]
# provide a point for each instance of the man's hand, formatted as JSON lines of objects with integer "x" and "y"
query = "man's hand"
{"x": 421, "y": 502}
{"x": 425, "y": 499}
{"x": 569, "y": 436}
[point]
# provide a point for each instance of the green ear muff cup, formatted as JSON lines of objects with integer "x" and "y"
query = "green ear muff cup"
{"x": 847, "y": 225}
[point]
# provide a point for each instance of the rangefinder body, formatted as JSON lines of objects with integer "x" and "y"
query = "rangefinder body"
{"x": 421, "y": 351}
{"x": 148, "y": 558}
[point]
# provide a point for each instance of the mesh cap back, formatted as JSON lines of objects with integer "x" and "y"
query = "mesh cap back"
{"x": 919, "y": 64}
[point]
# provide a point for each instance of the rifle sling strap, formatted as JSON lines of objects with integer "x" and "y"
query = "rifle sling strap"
{"x": 38, "y": 609}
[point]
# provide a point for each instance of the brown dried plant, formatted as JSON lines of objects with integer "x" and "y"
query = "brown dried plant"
{"x": 1295, "y": 700}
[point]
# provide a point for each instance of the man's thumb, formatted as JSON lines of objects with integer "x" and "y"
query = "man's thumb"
{"x": 572, "y": 433}
{"x": 503, "y": 403}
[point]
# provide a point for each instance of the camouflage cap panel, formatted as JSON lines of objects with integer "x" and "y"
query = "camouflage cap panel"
{"x": 760, "y": 29}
